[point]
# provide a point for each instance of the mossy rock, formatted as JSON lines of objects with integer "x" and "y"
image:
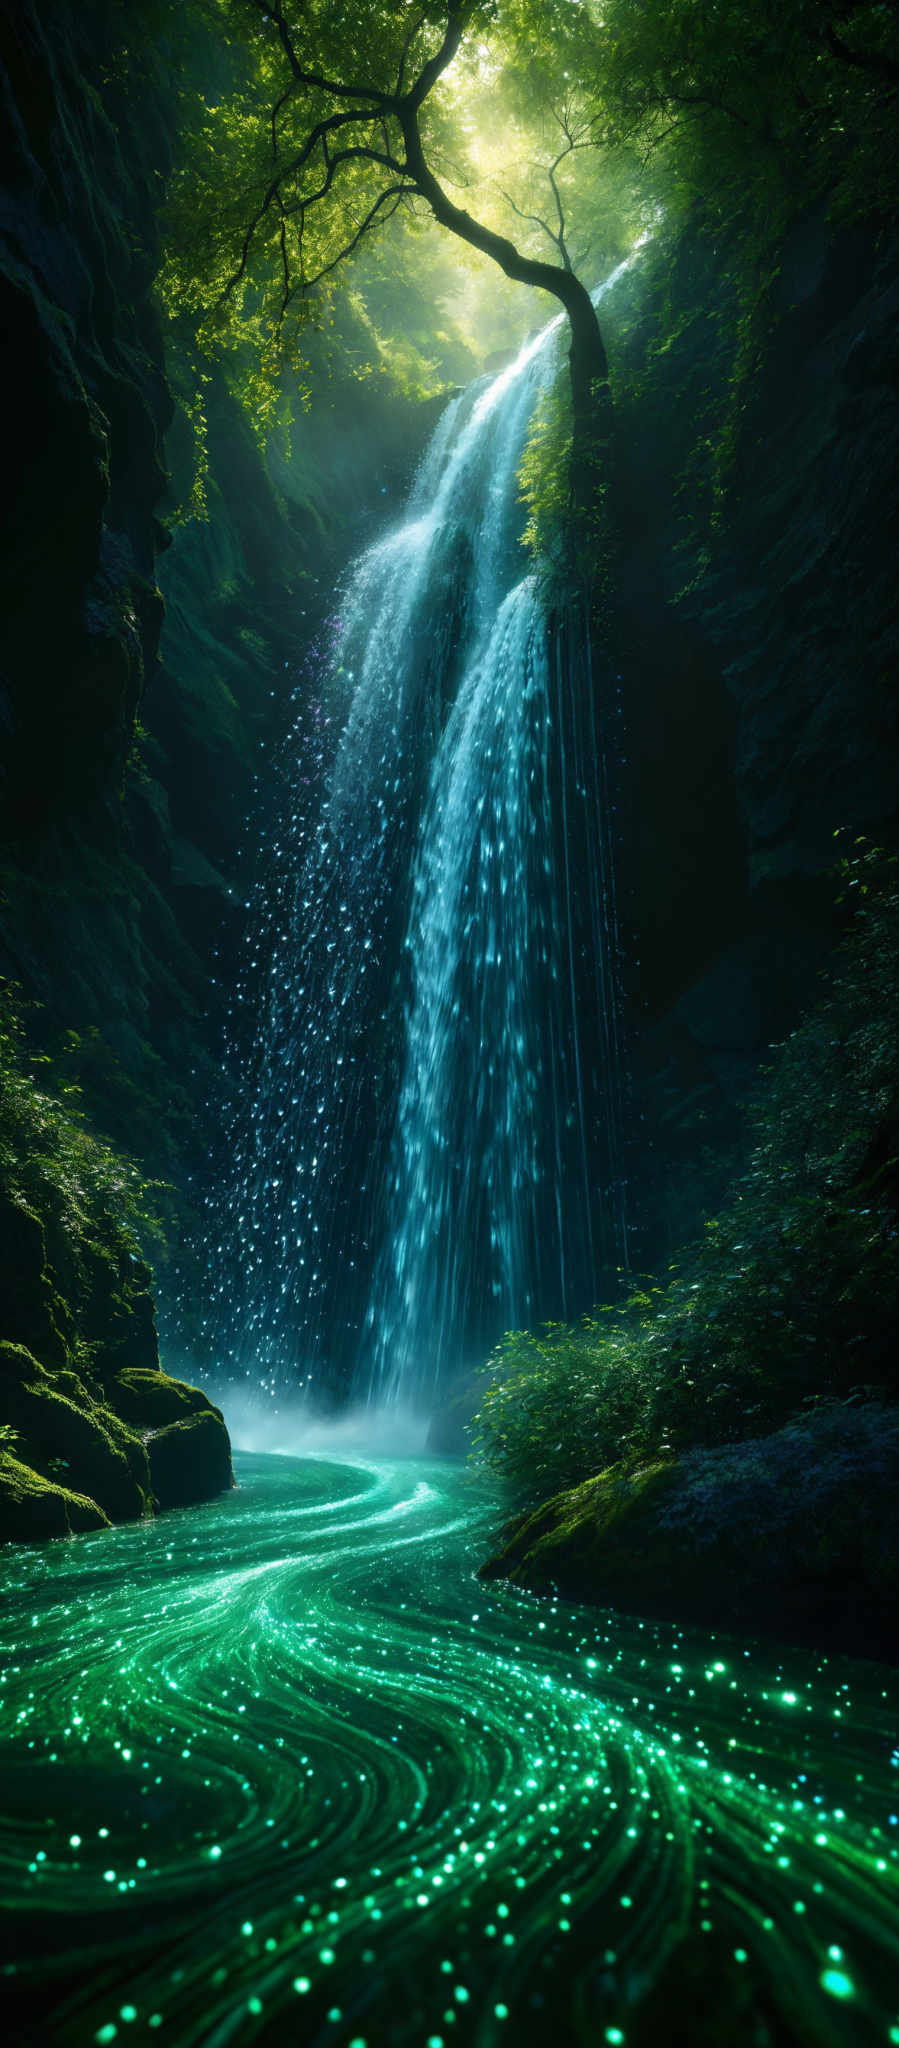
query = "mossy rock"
{"x": 149, "y": 1399}
{"x": 596, "y": 1536}
{"x": 33, "y": 1508}
{"x": 608, "y": 1542}
{"x": 90, "y": 1442}
{"x": 144, "y": 1440}
{"x": 18, "y": 1367}
{"x": 190, "y": 1460}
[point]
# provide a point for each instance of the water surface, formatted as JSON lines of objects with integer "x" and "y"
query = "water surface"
{"x": 280, "y": 1768}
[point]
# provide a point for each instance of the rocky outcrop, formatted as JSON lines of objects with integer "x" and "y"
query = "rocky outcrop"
{"x": 83, "y": 1400}
{"x": 757, "y": 644}
{"x": 33, "y": 1508}
{"x": 794, "y": 1536}
{"x": 78, "y": 1451}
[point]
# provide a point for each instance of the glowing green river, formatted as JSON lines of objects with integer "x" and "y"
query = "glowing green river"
{"x": 281, "y": 1769}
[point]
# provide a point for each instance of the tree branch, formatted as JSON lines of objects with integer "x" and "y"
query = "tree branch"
{"x": 317, "y": 136}
{"x": 456, "y": 19}
{"x": 414, "y": 31}
{"x": 356, "y": 153}
{"x": 536, "y": 218}
{"x": 395, "y": 192}
{"x": 272, "y": 10}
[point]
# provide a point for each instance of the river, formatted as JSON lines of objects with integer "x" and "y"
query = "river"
{"x": 280, "y": 1768}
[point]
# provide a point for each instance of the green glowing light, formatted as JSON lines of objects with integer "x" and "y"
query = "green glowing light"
{"x": 489, "y": 1771}
{"x": 837, "y": 1983}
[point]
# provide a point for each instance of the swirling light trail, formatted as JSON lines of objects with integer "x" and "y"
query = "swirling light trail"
{"x": 281, "y": 1769}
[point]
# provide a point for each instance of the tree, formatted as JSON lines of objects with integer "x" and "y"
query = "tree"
{"x": 353, "y": 132}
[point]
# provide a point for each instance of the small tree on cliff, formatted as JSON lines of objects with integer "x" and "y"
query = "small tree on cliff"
{"x": 353, "y": 134}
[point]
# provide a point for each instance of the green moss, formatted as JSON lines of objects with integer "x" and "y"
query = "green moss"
{"x": 594, "y": 1538}
{"x": 85, "y": 1439}
{"x": 80, "y": 1385}
{"x": 150, "y": 1400}
{"x": 33, "y": 1508}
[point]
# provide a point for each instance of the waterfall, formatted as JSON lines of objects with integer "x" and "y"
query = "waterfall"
{"x": 426, "y": 1148}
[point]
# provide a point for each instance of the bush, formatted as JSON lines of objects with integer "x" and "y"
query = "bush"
{"x": 51, "y": 1162}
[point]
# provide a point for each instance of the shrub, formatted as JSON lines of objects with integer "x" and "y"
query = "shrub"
{"x": 49, "y": 1158}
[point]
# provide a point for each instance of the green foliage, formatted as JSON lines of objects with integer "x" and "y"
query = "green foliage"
{"x": 544, "y": 473}
{"x": 747, "y": 119}
{"x": 790, "y": 1298}
{"x": 52, "y": 1163}
{"x": 765, "y": 98}
{"x": 572, "y": 129}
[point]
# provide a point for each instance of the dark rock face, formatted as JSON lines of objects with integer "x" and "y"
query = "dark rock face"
{"x": 128, "y": 764}
{"x": 81, "y": 613}
{"x": 758, "y": 679}
{"x": 190, "y": 1460}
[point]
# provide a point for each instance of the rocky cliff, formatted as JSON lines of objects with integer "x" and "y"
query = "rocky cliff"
{"x": 758, "y": 644}
{"x": 148, "y": 660}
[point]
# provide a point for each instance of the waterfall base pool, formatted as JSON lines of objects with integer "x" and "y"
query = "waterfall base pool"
{"x": 280, "y": 1768}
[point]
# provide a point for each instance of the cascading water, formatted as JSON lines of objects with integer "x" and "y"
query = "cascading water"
{"x": 426, "y": 1152}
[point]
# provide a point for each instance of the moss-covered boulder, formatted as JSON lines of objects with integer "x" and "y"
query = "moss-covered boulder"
{"x": 80, "y": 1453}
{"x": 150, "y": 1399}
{"x": 61, "y": 1436}
{"x": 33, "y": 1508}
{"x": 794, "y": 1536}
{"x": 190, "y": 1460}
{"x": 81, "y": 1389}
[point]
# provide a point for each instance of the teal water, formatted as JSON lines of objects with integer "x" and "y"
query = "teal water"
{"x": 281, "y": 1769}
